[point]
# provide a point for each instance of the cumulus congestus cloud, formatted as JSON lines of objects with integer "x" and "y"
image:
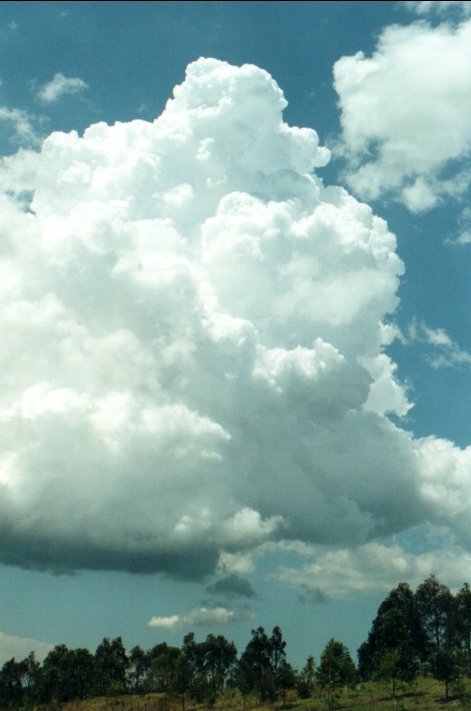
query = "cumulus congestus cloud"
{"x": 193, "y": 345}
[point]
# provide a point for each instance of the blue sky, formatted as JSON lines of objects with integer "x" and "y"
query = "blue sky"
{"x": 231, "y": 396}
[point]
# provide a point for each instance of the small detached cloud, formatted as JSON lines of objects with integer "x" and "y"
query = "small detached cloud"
{"x": 415, "y": 91}
{"x": 60, "y": 86}
{"x": 232, "y": 587}
{"x": 200, "y": 617}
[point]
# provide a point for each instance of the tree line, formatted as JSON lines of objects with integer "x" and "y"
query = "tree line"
{"x": 195, "y": 672}
{"x": 423, "y": 632}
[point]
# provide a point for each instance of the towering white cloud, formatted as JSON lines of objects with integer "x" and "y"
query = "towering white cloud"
{"x": 406, "y": 114}
{"x": 193, "y": 335}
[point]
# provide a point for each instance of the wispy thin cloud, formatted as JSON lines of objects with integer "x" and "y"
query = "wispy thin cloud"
{"x": 440, "y": 7}
{"x": 463, "y": 236}
{"x": 22, "y": 124}
{"x": 445, "y": 353}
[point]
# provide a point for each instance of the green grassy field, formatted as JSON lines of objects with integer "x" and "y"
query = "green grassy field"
{"x": 425, "y": 695}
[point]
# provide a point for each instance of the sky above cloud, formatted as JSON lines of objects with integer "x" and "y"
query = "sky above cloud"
{"x": 216, "y": 356}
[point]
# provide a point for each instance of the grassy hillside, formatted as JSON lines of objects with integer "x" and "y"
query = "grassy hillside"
{"x": 426, "y": 695}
